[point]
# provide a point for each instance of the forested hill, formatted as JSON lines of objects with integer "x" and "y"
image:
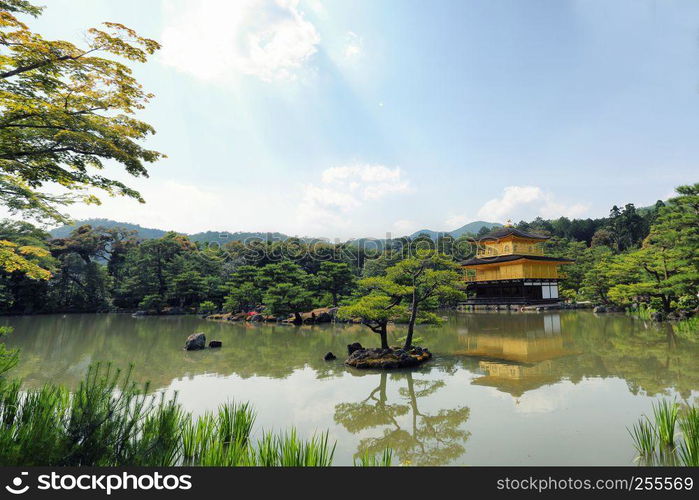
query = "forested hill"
{"x": 145, "y": 233}
{"x": 470, "y": 228}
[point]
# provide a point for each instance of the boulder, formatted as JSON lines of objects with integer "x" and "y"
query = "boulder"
{"x": 356, "y": 346}
{"x": 195, "y": 342}
{"x": 599, "y": 309}
{"x": 329, "y": 356}
{"x": 215, "y": 343}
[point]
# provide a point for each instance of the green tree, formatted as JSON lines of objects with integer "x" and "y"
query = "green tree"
{"x": 667, "y": 266}
{"x": 336, "y": 279}
{"x": 65, "y": 111}
{"x": 377, "y": 306}
{"x": 431, "y": 279}
{"x": 286, "y": 298}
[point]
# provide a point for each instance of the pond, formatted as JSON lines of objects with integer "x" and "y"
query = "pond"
{"x": 551, "y": 388}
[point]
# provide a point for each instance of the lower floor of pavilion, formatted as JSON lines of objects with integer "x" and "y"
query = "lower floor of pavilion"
{"x": 514, "y": 291}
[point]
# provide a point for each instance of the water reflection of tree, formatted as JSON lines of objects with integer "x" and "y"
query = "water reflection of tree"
{"x": 430, "y": 439}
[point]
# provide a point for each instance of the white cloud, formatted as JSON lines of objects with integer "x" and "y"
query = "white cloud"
{"x": 456, "y": 221}
{"x": 343, "y": 189}
{"x": 353, "y": 46}
{"x": 404, "y": 226}
{"x": 216, "y": 40}
{"x": 522, "y": 202}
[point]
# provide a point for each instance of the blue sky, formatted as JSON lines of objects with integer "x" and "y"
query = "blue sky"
{"x": 345, "y": 119}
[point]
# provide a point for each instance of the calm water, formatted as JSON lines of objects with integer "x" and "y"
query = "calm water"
{"x": 504, "y": 388}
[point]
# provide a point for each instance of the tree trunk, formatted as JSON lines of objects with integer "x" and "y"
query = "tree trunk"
{"x": 334, "y": 299}
{"x": 384, "y": 337}
{"x": 411, "y": 323}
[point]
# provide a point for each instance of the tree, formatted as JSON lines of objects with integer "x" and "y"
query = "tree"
{"x": 286, "y": 298}
{"x": 428, "y": 277}
{"x": 243, "y": 290}
{"x": 65, "y": 111}
{"x": 377, "y": 306}
{"x": 667, "y": 265}
{"x": 187, "y": 288}
{"x": 335, "y": 279}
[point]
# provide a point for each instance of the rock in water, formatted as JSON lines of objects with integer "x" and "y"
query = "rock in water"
{"x": 195, "y": 342}
{"x": 215, "y": 343}
{"x": 388, "y": 358}
{"x": 353, "y": 347}
{"x": 329, "y": 357}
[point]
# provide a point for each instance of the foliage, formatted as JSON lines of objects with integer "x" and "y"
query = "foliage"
{"x": 102, "y": 268}
{"x": 432, "y": 279}
{"x": 110, "y": 421}
{"x": 377, "y": 305}
{"x": 8, "y": 358}
{"x": 65, "y": 111}
{"x": 655, "y": 440}
{"x": 207, "y": 307}
{"x": 335, "y": 278}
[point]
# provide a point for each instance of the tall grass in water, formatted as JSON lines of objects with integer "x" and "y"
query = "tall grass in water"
{"x": 644, "y": 437}
{"x": 368, "y": 460}
{"x": 665, "y": 413}
{"x": 643, "y": 311}
{"x": 688, "y": 328}
{"x": 688, "y": 450}
{"x": 657, "y": 440}
{"x": 110, "y": 421}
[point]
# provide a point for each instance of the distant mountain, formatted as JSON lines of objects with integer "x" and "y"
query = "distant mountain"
{"x": 470, "y": 228}
{"x": 148, "y": 233}
{"x": 142, "y": 232}
{"x": 473, "y": 228}
{"x": 225, "y": 236}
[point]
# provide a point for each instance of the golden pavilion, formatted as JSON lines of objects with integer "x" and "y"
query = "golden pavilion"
{"x": 510, "y": 268}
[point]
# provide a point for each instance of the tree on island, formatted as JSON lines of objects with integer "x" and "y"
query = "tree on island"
{"x": 419, "y": 284}
{"x": 432, "y": 280}
{"x": 378, "y": 305}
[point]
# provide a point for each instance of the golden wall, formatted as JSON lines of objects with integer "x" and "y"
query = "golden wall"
{"x": 517, "y": 270}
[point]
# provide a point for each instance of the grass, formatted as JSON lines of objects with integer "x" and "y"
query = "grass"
{"x": 687, "y": 328}
{"x": 644, "y": 437}
{"x": 111, "y": 421}
{"x": 665, "y": 413}
{"x": 368, "y": 460}
{"x": 658, "y": 441}
{"x": 643, "y": 311}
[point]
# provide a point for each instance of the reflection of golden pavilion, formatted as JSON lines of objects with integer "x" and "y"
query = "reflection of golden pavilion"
{"x": 518, "y": 362}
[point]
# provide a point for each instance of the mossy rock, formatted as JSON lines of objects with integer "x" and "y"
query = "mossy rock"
{"x": 387, "y": 359}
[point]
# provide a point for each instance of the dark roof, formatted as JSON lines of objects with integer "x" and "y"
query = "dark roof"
{"x": 507, "y": 231}
{"x": 510, "y": 258}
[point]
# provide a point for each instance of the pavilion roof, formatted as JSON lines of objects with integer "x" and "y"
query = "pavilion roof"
{"x": 503, "y": 232}
{"x": 510, "y": 258}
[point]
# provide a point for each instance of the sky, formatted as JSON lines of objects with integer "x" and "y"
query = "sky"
{"x": 344, "y": 119}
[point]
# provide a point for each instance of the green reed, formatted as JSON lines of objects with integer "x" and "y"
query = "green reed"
{"x": 658, "y": 442}
{"x": 643, "y": 311}
{"x": 111, "y": 421}
{"x": 688, "y": 328}
{"x": 644, "y": 437}
{"x": 688, "y": 449}
{"x": 367, "y": 459}
{"x": 665, "y": 413}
